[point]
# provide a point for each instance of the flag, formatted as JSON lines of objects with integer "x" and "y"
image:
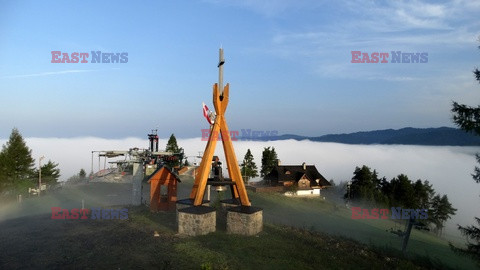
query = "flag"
{"x": 208, "y": 114}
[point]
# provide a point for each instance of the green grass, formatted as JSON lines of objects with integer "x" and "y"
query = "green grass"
{"x": 41, "y": 243}
{"x": 298, "y": 233}
{"x": 316, "y": 214}
{"x": 320, "y": 215}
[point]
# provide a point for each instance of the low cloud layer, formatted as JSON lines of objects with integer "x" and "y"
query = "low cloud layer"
{"x": 447, "y": 168}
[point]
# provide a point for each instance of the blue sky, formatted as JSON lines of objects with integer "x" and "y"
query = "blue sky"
{"x": 288, "y": 64}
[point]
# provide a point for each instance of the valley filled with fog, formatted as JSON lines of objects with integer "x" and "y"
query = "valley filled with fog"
{"x": 448, "y": 168}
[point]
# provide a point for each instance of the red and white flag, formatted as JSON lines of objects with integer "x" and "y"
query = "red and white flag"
{"x": 209, "y": 115}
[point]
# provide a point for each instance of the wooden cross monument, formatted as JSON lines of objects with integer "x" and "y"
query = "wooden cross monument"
{"x": 220, "y": 102}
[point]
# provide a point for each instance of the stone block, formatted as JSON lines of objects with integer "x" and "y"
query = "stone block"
{"x": 185, "y": 203}
{"x": 196, "y": 220}
{"x": 244, "y": 220}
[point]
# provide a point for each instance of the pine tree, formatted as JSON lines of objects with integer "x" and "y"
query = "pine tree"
{"x": 362, "y": 186}
{"x": 468, "y": 119}
{"x": 269, "y": 160}
{"x": 173, "y": 147}
{"x": 441, "y": 210}
{"x": 423, "y": 194}
{"x": 82, "y": 174}
{"x": 249, "y": 168}
{"x": 50, "y": 173}
{"x": 365, "y": 187}
{"x": 473, "y": 233}
{"x": 403, "y": 192}
{"x": 3, "y": 176}
{"x": 16, "y": 162}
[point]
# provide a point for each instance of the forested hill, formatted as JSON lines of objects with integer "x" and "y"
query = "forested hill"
{"x": 412, "y": 136}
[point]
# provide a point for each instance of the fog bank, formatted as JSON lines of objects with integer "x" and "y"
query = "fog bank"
{"x": 448, "y": 168}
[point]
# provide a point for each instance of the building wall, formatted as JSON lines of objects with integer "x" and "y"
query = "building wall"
{"x": 304, "y": 184}
{"x": 305, "y": 192}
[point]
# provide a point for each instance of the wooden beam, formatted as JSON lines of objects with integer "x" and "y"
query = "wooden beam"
{"x": 220, "y": 102}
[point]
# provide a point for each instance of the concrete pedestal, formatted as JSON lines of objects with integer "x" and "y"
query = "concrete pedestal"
{"x": 244, "y": 220}
{"x": 196, "y": 220}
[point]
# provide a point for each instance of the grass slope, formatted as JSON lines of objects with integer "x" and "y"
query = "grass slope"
{"x": 41, "y": 243}
{"x": 319, "y": 215}
{"x": 298, "y": 234}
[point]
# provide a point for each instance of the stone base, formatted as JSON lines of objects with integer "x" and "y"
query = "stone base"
{"x": 244, "y": 220}
{"x": 185, "y": 203}
{"x": 196, "y": 220}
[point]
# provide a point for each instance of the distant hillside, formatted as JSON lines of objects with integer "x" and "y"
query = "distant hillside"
{"x": 411, "y": 136}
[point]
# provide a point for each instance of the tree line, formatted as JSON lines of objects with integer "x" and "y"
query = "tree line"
{"x": 368, "y": 189}
{"x": 249, "y": 169}
{"x": 17, "y": 167}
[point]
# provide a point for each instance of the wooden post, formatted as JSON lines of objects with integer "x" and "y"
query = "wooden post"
{"x": 406, "y": 236}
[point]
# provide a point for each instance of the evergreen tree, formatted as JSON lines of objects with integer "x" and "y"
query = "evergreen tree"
{"x": 82, "y": 174}
{"x": 173, "y": 147}
{"x": 473, "y": 233}
{"x": 366, "y": 187}
{"x": 379, "y": 196}
{"x": 423, "y": 194}
{"x": 386, "y": 189}
{"x": 468, "y": 119}
{"x": 249, "y": 168}
{"x": 441, "y": 210}
{"x": 16, "y": 162}
{"x": 3, "y": 173}
{"x": 269, "y": 160}
{"x": 50, "y": 173}
{"x": 403, "y": 192}
{"x": 362, "y": 185}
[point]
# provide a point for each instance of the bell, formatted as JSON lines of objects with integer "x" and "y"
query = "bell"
{"x": 220, "y": 188}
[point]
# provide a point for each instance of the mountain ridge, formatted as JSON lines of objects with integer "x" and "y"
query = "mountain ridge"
{"x": 441, "y": 136}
